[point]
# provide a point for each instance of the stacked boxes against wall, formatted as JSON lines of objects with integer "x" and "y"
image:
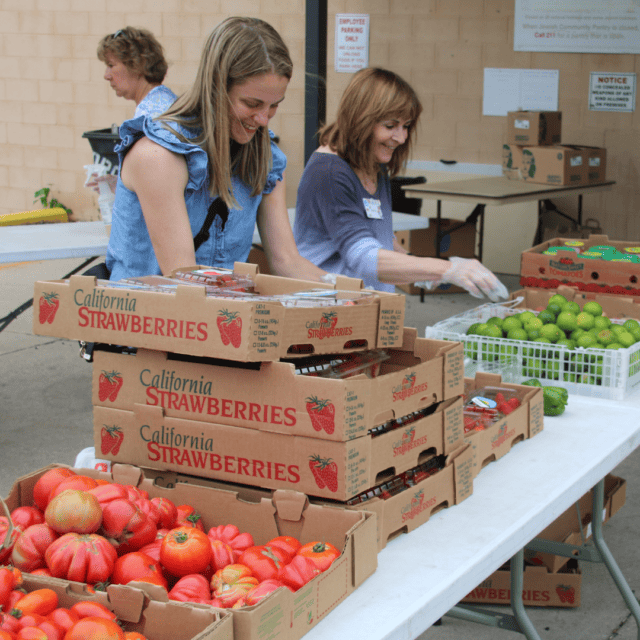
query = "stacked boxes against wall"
{"x": 533, "y": 152}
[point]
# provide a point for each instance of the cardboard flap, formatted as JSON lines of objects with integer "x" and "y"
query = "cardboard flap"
{"x": 126, "y": 474}
{"x": 344, "y": 283}
{"x": 246, "y": 269}
{"x": 81, "y": 282}
{"x": 191, "y": 291}
{"x": 127, "y": 603}
{"x": 599, "y": 239}
{"x": 484, "y": 379}
{"x": 289, "y": 504}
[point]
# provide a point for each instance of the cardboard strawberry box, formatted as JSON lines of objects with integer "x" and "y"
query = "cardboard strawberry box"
{"x": 136, "y": 611}
{"x": 271, "y": 397}
{"x": 288, "y": 616}
{"x": 534, "y": 127}
{"x": 593, "y": 275}
{"x": 521, "y": 424}
{"x": 188, "y": 321}
{"x": 541, "y": 587}
{"x": 574, "y": 526}
{"x": 146, "y": 437}
{"x": 613, "y": 306}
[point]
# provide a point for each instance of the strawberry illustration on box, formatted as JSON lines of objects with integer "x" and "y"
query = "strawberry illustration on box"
{"x": 111, "y": 439}
{"x": 325, "y": 472}
{"x": 47, "y": 307}
{"x": 322, "y": 414}
{"x": 566, "y": 593}
{"x": 109, "y": 385}
{"x": 409, "y": 381}
{"x": 230, "y": 327}
{"x": 329, "y": 318}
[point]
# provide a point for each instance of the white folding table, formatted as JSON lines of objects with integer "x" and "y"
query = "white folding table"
{"x": 422, "y": 575}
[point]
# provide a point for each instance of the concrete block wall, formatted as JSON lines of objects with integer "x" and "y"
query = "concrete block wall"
{"x": 52, "y": 90}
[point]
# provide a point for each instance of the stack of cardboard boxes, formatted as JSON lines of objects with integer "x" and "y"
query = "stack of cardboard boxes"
{"x": 534, "y": 152}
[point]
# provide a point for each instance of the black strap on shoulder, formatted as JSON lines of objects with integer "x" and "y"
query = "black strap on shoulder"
{"x": 217, "y": 208}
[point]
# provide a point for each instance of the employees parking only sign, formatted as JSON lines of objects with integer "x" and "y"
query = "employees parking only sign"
{"x": 352, "y": 42}
{"x": 612, "y": 92}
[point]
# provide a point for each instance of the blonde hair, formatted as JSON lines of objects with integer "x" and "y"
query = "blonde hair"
{"x": 138, "y": 50}
{"x": 237, "y": 49}
{"x": 373, "y": 96}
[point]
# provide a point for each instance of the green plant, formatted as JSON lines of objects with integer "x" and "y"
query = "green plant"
{"x": 42, "y": 195}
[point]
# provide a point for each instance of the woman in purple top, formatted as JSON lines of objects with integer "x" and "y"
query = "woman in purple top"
{"x": 343, "y": 208}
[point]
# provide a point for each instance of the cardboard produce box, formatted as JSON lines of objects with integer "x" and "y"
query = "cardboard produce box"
{"x": 521, "y": 424}
{"x": 283, "y": 615}
{"x": 596, "y": 164}
{"x": 557, "y": 165}
{"x": 594, "y": 275}
{"x": 272, "y": 397}
{"x": 460, "y": 241}
{"x": 532, "y": 128}
{"x": 512, "y": 161}
{"x": 541, "y": 587}
{"x": 338, "y": 470}
{"x": 574, "y": 526}
{"x": 169, "y": 620}
{"x": 189, "y": 322}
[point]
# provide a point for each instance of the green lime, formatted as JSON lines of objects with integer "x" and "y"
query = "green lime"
{"x": 614, "y": 345}
{"x": 585, "y": 321}
{"x": 605, "y": 337}
{"x": 601, "y": 322}
{"x": 546, "y": 316}
{"x": 566, "y": 342}
{"x": 482, "y": 328}
{"x": 617, "y": 328}
{"x": 635, "y": 332}
{"x": 511, "y": 322}
{"x": 495, "y": 321}
{"x": 555, "y": 308}
{"x": 473, "y": 328}
{"x": 550, "y": 332}
{"x": 576, "y": 334}
{"x": 558, "y": 299}
{"x": 525, "y": 315}
{"x": 572, "y": 307}
{"x": 586, "y": 340}
{"x": 593, "y": 308}
{"x": 567, "y": 321}
{"x": 517, "y": 334}
{"x": 533, "y": 323}
{"x": 625, "y": 339}
{"x": 533, "y": 334}
{"x": 631, "y": 324}
{"x": 493, "y": 331}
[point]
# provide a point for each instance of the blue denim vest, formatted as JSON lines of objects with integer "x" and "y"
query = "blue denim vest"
{"x": 130, "y": 252}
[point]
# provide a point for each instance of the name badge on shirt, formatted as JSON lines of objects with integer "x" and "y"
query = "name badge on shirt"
{"x": 372, "y": 208}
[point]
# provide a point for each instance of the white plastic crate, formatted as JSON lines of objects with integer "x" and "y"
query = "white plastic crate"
{"x": 599, "y": 373}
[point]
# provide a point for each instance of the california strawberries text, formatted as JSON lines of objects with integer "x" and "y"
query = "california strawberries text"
{"x": 198, "y": 452}
{"x": 99, "y": 310}
{"x": 402, "y": 394}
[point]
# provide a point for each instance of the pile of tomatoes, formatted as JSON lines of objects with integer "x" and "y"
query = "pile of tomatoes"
{"x": 100, "y": 533}
{"x": 37, "y": 615}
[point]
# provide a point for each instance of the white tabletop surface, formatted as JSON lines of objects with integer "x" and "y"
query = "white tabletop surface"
{"x": 26, "y": 243}
{"x": 422, "y": 574}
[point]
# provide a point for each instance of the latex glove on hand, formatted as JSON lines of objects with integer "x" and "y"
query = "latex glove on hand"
{"x": 474, "y": 277}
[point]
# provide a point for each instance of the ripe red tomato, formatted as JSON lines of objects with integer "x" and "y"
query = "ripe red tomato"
{"x": 42, "y": 601}
{"x": 137, "y": 566}
{"x": 168, "y": 512}
{"x": 108, "y": 492}
{"x": 64, "y": 617}
{"x": 221, "y": 554}
{"x": 298, "y": 572}
{"x": 6, "y": 635}
{"x": 23, "y": 517}
{"x": 288, "y": 544}
{"x": 81, "y": 483}
{"x": 230, "y": 534}
{"x": 47, "y": 482}
{"x": 29, "y": 549}
{"x": 31, "y": 633}
{"x": 185, "y": 550}
{"x": 152, "y": 511}
{"x": 232, "y": 583}
{"x": 95, "y": 629}
{"x": 73, "y": 510}
{"x": 188, "y": 517}
{"x": 134, "y": 635}
{"x": 322, "y": 553}
{"x": 126, "y": 526}
{"x": 83, "y": 558}
{"x": 261, "y": 591}
{"x": 88, "y": 609}
{"x": 6, "y": 545}
{"x": 191, "y": 588}
{"x": 53, "y": 630}
{"x": 264, "y": 561}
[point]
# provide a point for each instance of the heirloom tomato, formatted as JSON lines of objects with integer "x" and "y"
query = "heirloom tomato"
{"x": 77, "y": 482}
{"x": 152, "y": 511}
{"x": 46, "y": 483}
{"x": 264, "y": 561}
{"x": 185, "y": 550}
{"x": 187, "y": 516}
{"x": 23, "y": 517}
{"x": 260, "y": 592}
{"x": 168, "y": 512}
{"x": 232, "y": 583}
{"x": 230, "y": 534}
{"x": 322, "y": 553}
{"x": 95, "y": 629}
{"x": 108, "y": 492}
{"x": 193, "y": 587}
{"x": 221, "y": 554}
{"x": 74, "y": 511}
{"x": 126, "y": 526}
{"x": 288, "y": 544}
{"x": 137, "y": 566}
{"x": 29, "y": 549}
{"x": 298, "y": 572}
{"x": 82, "y": 558}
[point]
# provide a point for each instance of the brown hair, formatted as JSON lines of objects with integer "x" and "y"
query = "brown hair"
{"x": 237, "y": 49}
{"x": 138, "y": 50}
{"x": 373, "y": 96}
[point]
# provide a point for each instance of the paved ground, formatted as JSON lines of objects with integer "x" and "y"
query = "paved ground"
{"x": 46, "y": 416}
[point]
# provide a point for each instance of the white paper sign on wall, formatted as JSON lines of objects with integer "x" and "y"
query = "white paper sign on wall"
{"x": 352, "y": 42}
{"x": 612, "y": 91}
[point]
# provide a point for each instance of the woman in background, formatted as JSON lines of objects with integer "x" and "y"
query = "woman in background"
{"x": 343, "y": 211}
